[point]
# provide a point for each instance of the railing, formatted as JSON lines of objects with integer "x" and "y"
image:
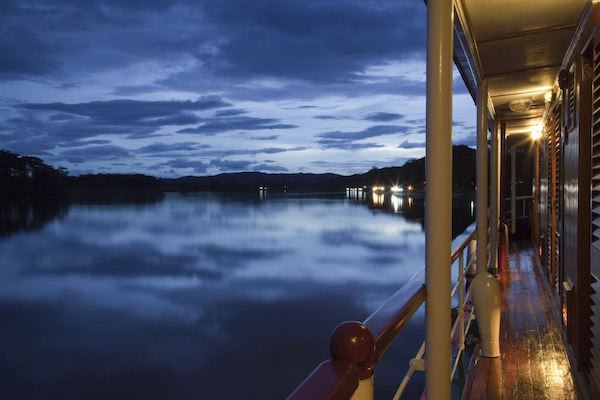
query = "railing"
{"x": 522, "y": 207}
{"x": 356, "y": 347}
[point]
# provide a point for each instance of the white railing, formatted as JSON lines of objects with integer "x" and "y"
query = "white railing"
{"x": 464, "y": 316}
{"x": 522, "y": 204}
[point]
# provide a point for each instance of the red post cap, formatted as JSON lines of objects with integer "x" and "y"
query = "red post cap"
{"x": 353, "y": 342}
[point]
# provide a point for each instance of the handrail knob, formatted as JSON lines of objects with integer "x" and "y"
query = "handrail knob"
{"x": 353, "y": 342}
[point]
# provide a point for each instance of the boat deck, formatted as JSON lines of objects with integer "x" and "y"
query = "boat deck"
{"x": 534, "y": 362}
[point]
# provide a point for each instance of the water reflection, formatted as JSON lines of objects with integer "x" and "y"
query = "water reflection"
{"x": 378, "y": 199}
{"x": 397, "y": 203}
{"x": 412, "y": 206}
{"x": 169, "y": 299}
{"x": 28, "y": 214}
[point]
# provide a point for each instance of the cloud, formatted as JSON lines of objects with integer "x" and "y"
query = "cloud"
{"x": 229, "y": 39}
{"x": 270, "y": 137}
{"x": 231, "y": 165}
{"x": 39, "y": 127}
{"x": 134, "y": 112}
{"x": 133, "y": 90}
{"x": 342, "y": 37}
{"x": 214, "y": 126}
{"x": 372, "y": 131}
{"x": 269, "y": 168}
{"x": 170, "y": 147}
{"x": 411, "y": 145}
{"x": 246, "y": 165}
{"x": 347, "y": 139}
{"x": 346, "y": 145}
{"x": 101, "y": 73}
{"x": 40, "y": 59}
{"x": 384, "y": 117}
{"x": 230, "y": 112}
{"x": 94, "y": 153}
{"x": 196, "y": 165}
{"x": 331, "y": 117}
{"x": 81, "y": 143}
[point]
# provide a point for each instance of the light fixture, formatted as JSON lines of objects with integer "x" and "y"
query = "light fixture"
{"x": 520, "y": 105}
{"x": 536, "y": 132}
{"x": 548, "y": 97}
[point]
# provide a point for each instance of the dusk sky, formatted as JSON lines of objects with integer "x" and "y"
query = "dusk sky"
{"x": 175, "y": 88}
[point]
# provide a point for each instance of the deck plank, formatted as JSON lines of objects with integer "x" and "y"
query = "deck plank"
{"x": 534, "y": 363}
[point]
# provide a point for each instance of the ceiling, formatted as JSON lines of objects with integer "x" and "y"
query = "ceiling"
{"x": 519, "y": 46}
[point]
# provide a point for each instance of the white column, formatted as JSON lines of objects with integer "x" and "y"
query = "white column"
{"x": 513, "y": 190}
{"x": 482, "y": 177}
{"x": 485, "y": 287}
{"x": 495, "y": 202}
{"x": 438, "y": 200}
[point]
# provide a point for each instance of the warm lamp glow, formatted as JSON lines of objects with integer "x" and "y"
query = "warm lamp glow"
{"x": 536, "y": 132}
{"x": 548, "y": 97}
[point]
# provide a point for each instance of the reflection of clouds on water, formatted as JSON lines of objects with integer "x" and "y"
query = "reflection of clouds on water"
{"x": 165, "y": 295}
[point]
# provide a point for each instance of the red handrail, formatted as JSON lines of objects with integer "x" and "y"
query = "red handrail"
{"x": 389, "y": 320}
{"x": 355, "y": 347}
{"x": 338, "y": 378}
{"x": 335, "y": 380}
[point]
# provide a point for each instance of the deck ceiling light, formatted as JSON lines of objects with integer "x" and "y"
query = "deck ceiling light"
{"x": 521, "y": 105}
{"x": 536, "y": 132}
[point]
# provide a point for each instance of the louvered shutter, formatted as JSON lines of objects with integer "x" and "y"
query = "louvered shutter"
{"x": 554, "y": 134}
{"x": 594, "y": 373}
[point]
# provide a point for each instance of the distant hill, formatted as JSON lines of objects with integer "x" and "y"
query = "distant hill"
{"x": 411, "y": 173}
{"x": 29, "y": 175}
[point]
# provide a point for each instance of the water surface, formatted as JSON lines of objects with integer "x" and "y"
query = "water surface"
{"x": 202, "y": 296}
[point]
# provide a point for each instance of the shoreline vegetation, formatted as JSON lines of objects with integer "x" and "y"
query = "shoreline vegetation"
{"x": 32, "y": 193}
{"x": 25, "y": 178}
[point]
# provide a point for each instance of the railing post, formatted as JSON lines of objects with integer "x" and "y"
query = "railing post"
{"x": 438, "y": 199}
{"x": 365, "y": 389}
{"x": 461, "y": 298}
{"x": 353, "y": 342}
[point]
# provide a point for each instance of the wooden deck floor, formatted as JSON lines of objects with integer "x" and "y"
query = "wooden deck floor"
{"x": 534, "y": 363}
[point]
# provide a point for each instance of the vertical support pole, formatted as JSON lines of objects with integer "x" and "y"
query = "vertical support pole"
{"x": 494, "y": 193}
{"x": 485, "y": 287}
{"x": 513, "y": 190}
{"x": 536, "y": 195}
{"x": 461, "y": 298}
{"x": 438, "y": 199}
{"x": 502, "y": 171}
{"x": 482, "y": 178}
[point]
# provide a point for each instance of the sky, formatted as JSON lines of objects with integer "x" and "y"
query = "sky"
{"x": 190, "y": 87}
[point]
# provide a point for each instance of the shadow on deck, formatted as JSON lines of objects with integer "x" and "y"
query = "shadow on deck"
{"x": 534, "y": 362}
